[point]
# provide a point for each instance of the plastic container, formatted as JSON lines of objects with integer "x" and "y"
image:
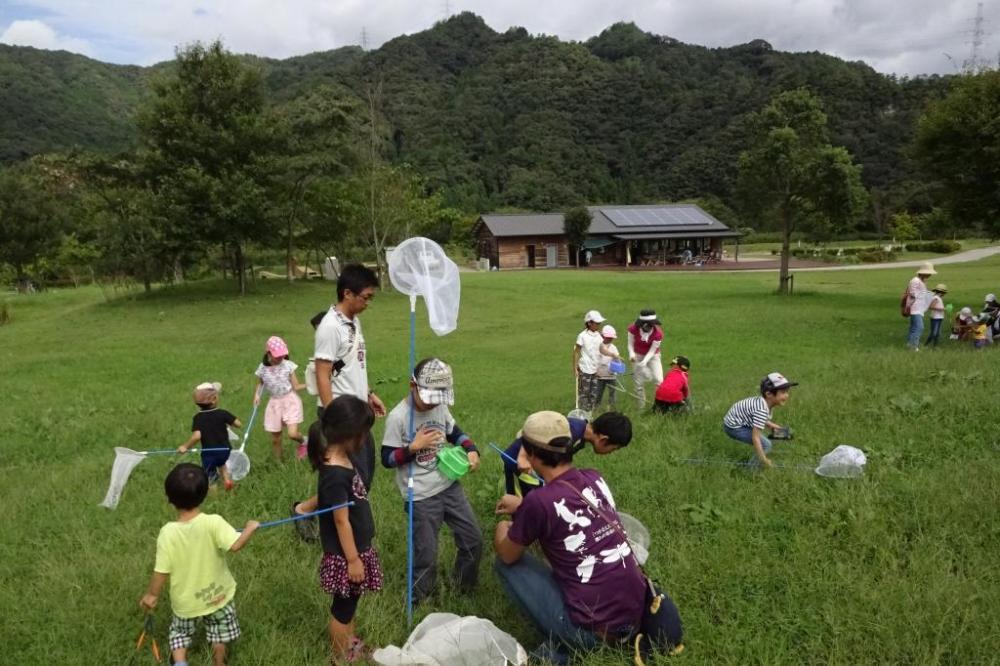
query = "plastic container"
{"x": 617, "y": 366}
{"x": 453, "y": 462}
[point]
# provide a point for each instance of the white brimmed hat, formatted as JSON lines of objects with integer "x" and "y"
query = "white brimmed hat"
{"x": 434, "y": 383}
{"x": 926, "y": 268}
{"x": 593, "y": 316}
{"x": 609, "y": 332}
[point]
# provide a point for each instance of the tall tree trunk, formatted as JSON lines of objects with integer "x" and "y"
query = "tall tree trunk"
{"x": 239, "y": 268}
{"x": 786, "y": 242}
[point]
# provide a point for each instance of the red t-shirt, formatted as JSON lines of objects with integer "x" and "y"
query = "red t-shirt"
{"x": 674, "y": 387}
{"x": 641, "y": 346}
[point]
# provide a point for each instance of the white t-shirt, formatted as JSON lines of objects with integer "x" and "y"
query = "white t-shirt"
{"x": 590, "y": 351}
{"x": 277, "y": 379}
{"x": 936, "y": 307}
{"x": 604, "y": 363}
{"x": 427, "y": 480}
{"x": 340, "y": 339}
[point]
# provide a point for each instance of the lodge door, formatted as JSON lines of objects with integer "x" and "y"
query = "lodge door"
{"x": 531, "y": 255}
{"x": 551, "y": 256}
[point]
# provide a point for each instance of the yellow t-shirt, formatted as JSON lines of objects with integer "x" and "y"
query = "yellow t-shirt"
{"x": 193, "y": 554}
{"x": 979, "y": 331}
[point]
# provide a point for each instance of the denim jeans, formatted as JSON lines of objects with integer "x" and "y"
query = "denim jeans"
{"x": 529, "y": 582}
{"x": 745, "y": 435}
{"x": 916, "y": 330}
{"x": 935, "y": 334}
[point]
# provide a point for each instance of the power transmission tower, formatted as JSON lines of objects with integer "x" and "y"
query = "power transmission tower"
{"x": 447, "y": 9}
{"x": 975, "y": 63}
{"x": 364, "y": 38}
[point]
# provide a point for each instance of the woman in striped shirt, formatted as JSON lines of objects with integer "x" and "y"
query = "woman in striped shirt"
{"x": 745, "y": 421}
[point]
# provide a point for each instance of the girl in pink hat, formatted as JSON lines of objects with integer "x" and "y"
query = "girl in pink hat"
{"x": 276, "y": 374}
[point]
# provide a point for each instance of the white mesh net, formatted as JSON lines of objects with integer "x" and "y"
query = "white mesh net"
{"x": 419, "y": 267}
{"x": 238, "y": 464}
{"x": 844, "y": 462}
{"x": 638, "y": 536}
{"x": 446, "y": 639}
{"x": 125, "y": 462}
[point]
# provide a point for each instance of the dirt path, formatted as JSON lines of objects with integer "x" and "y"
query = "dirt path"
{"x": 957, "y": 258}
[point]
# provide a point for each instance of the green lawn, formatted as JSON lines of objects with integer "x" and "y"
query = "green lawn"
{"x": 776, "y": 567}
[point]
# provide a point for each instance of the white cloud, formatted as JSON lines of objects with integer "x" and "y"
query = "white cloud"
{"x": 903, "y": 36}
{"x": 40, "y": 35}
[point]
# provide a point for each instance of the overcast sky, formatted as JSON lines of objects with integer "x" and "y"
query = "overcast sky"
{"x": 894, "y": 36}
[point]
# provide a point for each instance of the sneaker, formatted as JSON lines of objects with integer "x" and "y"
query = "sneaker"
{"x": 301, "y": 450}
{"x": 307, "y": 528}
{"x": 228, "y": 483}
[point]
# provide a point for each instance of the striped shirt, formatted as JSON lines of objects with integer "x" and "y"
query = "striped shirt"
{"x": 748, "y": 413}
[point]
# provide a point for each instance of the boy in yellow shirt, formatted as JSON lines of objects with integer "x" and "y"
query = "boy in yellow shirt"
{"x": 191, "y": 553}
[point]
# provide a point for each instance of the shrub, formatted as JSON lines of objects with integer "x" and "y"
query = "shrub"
{"x": 938, "y": 246}
{"x": 875, "y": 256}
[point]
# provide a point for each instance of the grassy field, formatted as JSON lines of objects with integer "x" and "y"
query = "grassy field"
{"x": 777, "y": 567}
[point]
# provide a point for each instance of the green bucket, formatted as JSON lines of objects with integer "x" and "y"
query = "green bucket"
{"x": 453, "y": 462}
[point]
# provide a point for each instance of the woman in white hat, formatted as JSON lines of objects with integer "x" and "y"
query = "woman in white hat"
{"x": 915, "y": 302}
{"x": 644, "y": 339}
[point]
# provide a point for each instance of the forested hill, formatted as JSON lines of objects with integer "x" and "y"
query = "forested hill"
{"x": 510, "y": 119}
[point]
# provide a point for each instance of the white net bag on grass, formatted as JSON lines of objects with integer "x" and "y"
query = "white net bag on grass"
{"x": 125, "y": 462}
{"x": 419, "y": 267}
{"x": 446, "y": 639}
{"x": 844, "y": 462}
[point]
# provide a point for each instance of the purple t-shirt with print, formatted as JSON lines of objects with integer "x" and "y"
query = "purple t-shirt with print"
{"x": 591, "y": 563}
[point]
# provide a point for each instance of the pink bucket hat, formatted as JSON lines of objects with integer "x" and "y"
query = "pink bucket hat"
{"x": 277, "y": 347}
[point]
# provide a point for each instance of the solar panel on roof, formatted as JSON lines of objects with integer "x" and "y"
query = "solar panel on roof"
{"x": 674, "y": 216}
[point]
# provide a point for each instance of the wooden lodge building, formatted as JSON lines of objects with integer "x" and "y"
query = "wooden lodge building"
{"x": 649, "y": 235}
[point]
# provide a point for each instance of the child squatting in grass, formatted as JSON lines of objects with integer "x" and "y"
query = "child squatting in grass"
{"x": 746, "y": 419}
{"x": 190, "y": 552}
{"x": 350, "y": 564}
{"x": 209, "y": 427}
{"x": 674, "y": 392}
{"x": 436, "y": 498}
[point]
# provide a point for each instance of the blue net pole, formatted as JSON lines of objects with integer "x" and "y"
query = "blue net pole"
{"x": 409, "y": 480}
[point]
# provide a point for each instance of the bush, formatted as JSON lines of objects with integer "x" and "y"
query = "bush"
{"x": 938, "y": 246}
{"x": 875, "y": 256}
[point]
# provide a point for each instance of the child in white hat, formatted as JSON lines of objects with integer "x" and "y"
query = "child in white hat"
{"x": 606, "y": 379}
{"x": 586, "y": 358}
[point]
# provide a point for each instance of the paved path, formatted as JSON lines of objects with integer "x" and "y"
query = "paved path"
{"x": 957, "y": 258}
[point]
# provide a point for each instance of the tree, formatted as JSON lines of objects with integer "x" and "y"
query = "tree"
{"x": 208, "y": 148}
{"x": 903, "y": 226}
{"x": 576, "y": 224}
{"x": 30, "y": 220}
{"x": 132, "y": 237}
{"x": 314, "y": 131}
{"x": 958, "y": 143}
{"x": 791, "y": 173}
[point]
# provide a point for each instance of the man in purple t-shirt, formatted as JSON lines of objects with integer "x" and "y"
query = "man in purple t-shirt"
{"x": 594, "y": 591}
